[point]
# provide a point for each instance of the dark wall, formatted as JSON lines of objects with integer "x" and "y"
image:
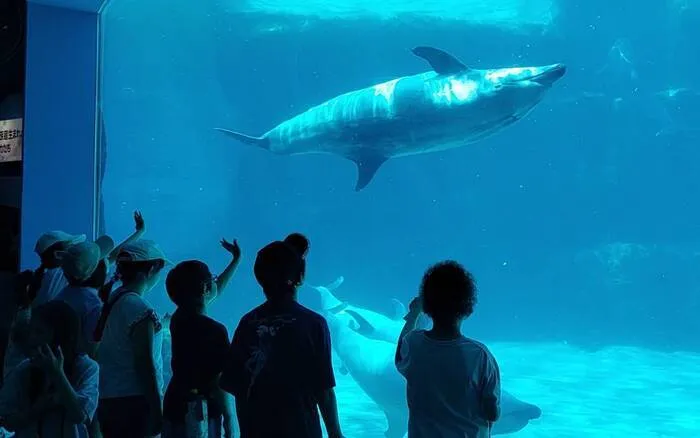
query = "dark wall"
{"x": 12, "y": 57}
{"x": 12, "y": 45}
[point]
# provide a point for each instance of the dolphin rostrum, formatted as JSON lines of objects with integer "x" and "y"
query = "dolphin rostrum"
{"x": 366, "y": 322}
{"x": 449, "y": 107}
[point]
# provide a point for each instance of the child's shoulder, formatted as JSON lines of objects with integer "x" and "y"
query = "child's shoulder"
{"x": 462, "y": 342}
{"x": 475, "y": 344}
{"x": 86, "y": 369}
{"x": 83, "y": 361}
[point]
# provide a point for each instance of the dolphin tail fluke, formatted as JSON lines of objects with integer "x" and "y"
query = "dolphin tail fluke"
{"x": 260, "y": 142}
{"x": 367, "y": 167}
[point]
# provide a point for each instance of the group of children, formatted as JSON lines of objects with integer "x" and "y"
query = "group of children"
{"x": 84, "y": 358}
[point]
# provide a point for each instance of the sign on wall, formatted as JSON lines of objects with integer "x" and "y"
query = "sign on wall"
{"x": 10, "y": 140}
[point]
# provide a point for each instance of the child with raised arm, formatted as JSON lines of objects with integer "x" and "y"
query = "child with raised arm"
{"x": 453, "y": 382}
{"x": 194, "y": 405}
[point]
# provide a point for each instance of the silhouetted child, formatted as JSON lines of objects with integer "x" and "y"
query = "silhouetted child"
{"x": 54, "y": 392}
{"x": 454, "y": 384}
{"x": 38, "y": 287}
{"x": 85, "y": 268}
{"x": 280, "y": 368}
{"x": 194, "y": 405}
{"x": 52, "y": 280}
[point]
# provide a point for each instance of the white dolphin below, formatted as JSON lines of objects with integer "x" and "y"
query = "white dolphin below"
{"x": 370, "y": 362}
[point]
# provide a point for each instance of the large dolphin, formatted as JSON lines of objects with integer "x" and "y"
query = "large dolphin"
{"x": 449, "y": 107}
{"x": 371, "y": 324}
{"x": 371, "y": 364}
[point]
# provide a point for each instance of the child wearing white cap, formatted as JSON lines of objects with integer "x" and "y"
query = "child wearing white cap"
{"x": 85, "y": 268}
{"x": 49, "y": 279}
{"x": 52, "y": 281}
{"x": 45, "y": 283}
{"x": 131, "y": 379}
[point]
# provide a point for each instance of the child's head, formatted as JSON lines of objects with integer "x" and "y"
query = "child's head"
{"x": 279, "y": 269}
{"x": 299, "y": 243}
{"x": 84, "y": 263}
{"x": 54, "y": 324}
{"x": 448, "y": 292}
{"x": 140, "y": 263}
{"x": 53, "y": 242}
{"x": 190, "y": 284}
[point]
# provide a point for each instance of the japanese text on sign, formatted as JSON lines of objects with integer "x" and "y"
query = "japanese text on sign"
{"x": 10, "y": 140}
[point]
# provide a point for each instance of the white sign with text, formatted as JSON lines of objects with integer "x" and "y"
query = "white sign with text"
{"x": 10, "y": 140}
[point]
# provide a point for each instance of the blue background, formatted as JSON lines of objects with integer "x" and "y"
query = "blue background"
{"x": 540, "y": 212}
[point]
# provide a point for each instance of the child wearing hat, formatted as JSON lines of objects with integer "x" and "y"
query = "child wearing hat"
{"x": 36, "y": 288}
{"x": 131, "y": 369}
{"x": 85, "y": 269}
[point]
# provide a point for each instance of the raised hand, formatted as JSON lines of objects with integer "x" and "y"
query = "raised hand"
{"x": 232, "y": 247}
{"x": 47, "y": 360}
{"x": 416, "y": 306}
{"x": 139, "y": 222}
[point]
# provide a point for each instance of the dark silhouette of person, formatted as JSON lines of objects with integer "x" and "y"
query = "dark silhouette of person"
{"x": 280, "y": 367}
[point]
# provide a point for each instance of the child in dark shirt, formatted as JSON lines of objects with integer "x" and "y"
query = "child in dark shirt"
{"x": 280, "y": 367}
{"x": 193, "y": 404}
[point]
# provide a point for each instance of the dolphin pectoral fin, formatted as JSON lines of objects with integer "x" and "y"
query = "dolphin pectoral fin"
{"x": 442, "y": 62}
{"x": 399, "y": 309}
{"x": 337, "y": 309}
{"x": 367, "y": 166}
{"x": 260, "y": 142}
{"x": 363, "y": 326}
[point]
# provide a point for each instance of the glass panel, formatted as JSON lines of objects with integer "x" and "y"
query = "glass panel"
{"x": 567, "y": 195}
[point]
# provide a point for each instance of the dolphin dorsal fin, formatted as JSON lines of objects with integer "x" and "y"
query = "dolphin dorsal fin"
{"x": 399, "y": 310}
{"x": 442, "y": 62}
{"x": 336, "y": 284}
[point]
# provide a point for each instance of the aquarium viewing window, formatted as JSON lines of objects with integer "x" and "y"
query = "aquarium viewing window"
{"x": 10, "y": 140}
{"x": 576, "y": 221}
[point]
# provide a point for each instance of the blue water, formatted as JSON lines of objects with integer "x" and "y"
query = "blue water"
{"x": 579, "y": 221}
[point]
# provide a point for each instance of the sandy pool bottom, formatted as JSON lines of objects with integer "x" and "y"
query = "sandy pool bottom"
{"x": 614, "y": 392}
